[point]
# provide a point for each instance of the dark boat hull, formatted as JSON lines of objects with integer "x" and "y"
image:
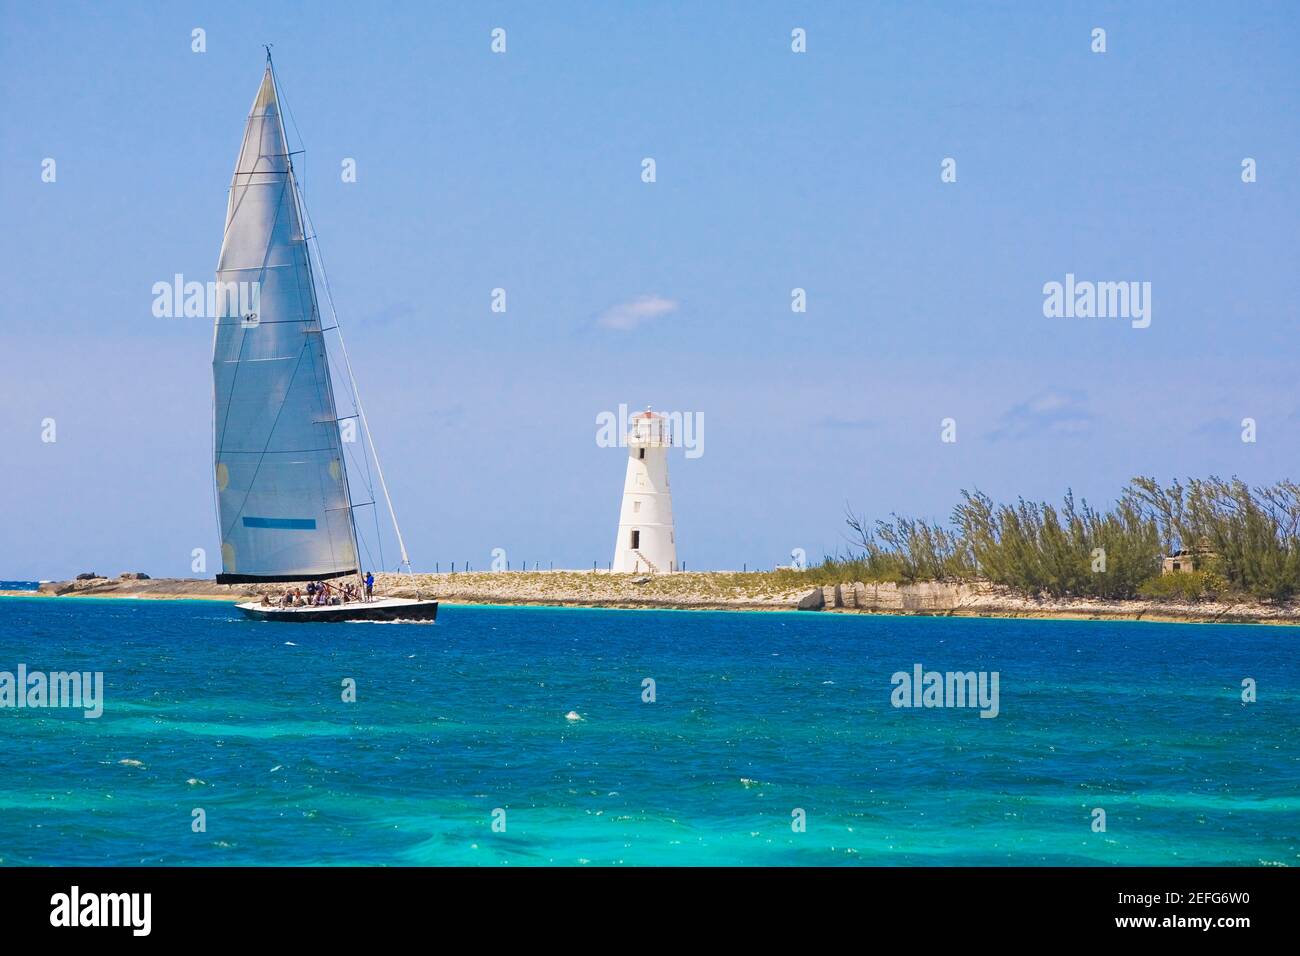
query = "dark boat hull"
{"x": 385, "y": 610}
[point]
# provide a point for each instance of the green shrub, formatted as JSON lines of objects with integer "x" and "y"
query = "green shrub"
{"x": 1249, "y": 540}
{"x": 1184, "y": 586}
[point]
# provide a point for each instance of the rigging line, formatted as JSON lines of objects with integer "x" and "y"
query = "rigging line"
{"x": 343, "y": 349}
{"x": 332, "y": 428}
{"x": 369, "y": 480}
{"x": 275, "y": 78}
{"x": 379, "y": 538}
{"x": 364, "y": 544}
{"x": 370, "y": 558}
{"x": 356, "y": 395}
{"x": 370, "y": 488}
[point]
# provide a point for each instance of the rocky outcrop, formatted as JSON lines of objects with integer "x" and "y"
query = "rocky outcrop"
{"x": 144, "y": 586}
{"x": 980, "y": 599}
{"x": 717, "y": 591}
{"x": 814, "y": 600}
{"x": 926, "y": 598}
{"x": 929, "y": 597}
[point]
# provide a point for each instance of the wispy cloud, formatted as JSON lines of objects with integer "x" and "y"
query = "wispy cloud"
{"x": 628, "y": 315}
{"x": 1053, "y": 412}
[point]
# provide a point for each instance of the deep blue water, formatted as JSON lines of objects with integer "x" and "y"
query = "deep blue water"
{"x": 757, "y": 714}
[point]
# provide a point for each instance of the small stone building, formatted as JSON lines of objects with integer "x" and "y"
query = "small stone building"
{"x": 1185, "y": 559}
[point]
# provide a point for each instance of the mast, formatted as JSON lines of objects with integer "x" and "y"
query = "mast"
{"x": 305, "y": 218}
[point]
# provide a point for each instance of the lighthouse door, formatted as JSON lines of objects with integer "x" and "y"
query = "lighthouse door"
{"x": 636, "y": 539}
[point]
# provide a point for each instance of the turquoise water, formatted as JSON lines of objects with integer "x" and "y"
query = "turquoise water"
{"x": 756, "y": 714}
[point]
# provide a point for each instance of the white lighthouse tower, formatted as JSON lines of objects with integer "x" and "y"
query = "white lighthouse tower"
{"x": 646, "y": 540}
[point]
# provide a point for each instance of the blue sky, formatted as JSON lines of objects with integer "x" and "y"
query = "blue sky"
{"x": 775, "y": 170}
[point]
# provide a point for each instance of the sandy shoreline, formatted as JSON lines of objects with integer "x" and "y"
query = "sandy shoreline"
{"x": 707, "y": 591}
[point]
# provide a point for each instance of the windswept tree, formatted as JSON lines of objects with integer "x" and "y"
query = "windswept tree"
{"x": 1240, "y": 540}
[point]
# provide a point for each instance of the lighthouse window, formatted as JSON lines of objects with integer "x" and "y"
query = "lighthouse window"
{"x": 642, "y": 453}
{"x": 636, "y": 508}
{"x": 636, "y": 539}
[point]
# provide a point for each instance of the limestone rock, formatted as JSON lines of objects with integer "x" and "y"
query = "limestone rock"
{"x": 814, "y": 600}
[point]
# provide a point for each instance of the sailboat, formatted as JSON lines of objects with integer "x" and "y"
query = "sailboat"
{"x": 284, "y": 505}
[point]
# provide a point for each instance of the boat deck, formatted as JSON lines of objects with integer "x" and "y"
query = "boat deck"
{"x": 383, "y": 609}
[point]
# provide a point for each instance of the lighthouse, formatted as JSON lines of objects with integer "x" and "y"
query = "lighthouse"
{"x": 646, "y": 540}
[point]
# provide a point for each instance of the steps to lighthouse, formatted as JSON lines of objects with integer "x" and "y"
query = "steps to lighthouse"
{"x": 650, "y": 565}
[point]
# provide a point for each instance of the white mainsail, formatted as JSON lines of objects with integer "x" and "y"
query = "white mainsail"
{"x": 282, "y": 490}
